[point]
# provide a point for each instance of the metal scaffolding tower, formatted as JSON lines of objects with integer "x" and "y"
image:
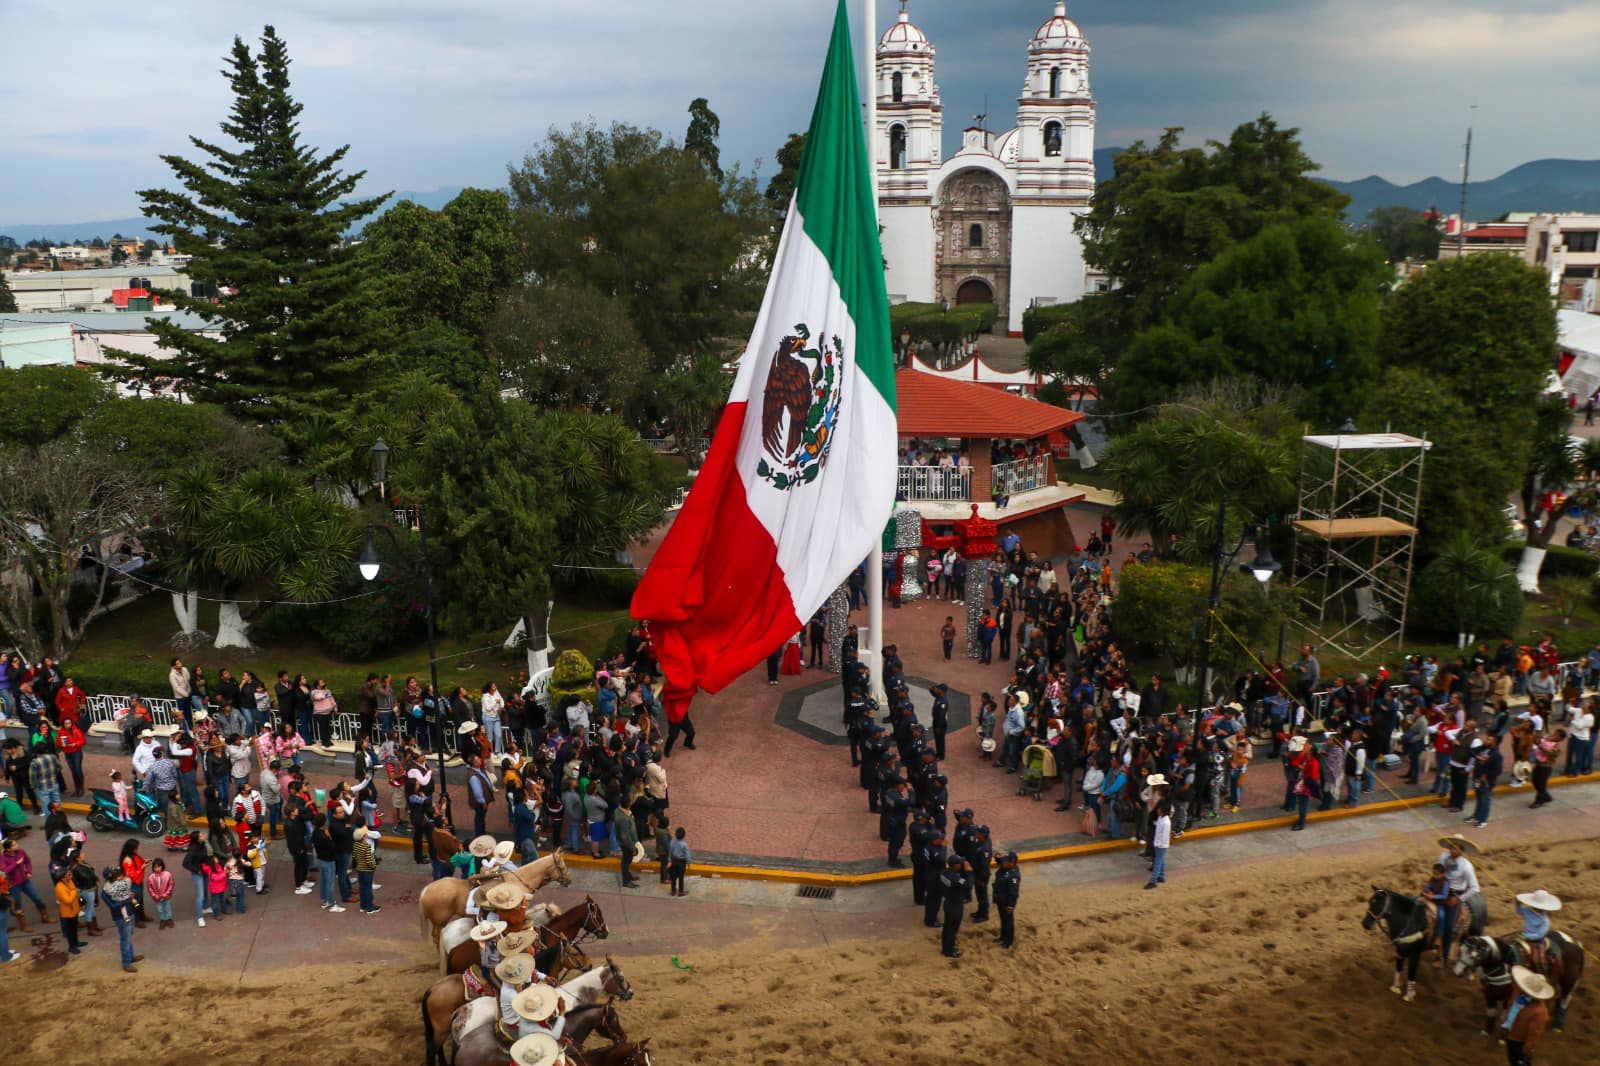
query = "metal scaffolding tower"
{"x": 1355, "y": 537}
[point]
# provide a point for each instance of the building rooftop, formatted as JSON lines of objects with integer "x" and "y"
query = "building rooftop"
{"x": 930, "y": 406}
{"x": 126, "y": 270}
{"x": 105, "y": 321}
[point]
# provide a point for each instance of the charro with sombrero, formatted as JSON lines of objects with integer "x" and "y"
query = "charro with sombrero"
{"x": 1462, "y": 878}
{"x": 1536, "y": 908}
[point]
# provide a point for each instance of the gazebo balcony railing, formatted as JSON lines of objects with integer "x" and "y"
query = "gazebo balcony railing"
{"x": 934, "y": 483}
{"x": 1022, "y": 475}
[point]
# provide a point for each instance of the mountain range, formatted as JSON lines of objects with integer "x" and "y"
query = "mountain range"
{"x": 1544, "y": 185}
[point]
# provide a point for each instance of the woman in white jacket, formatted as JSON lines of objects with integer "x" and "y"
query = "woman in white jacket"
{"x": 493, "y": 704}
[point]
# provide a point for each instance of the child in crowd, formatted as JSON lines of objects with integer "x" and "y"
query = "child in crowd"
{"x": 158, "y": 884}
{"x": 119, "y": 791}
{"x": 663, "y": 835}
{"x": 678, "y": 862}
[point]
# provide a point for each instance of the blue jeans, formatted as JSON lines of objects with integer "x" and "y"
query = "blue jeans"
{"x": 1012, "y": 755}
{"x": 385, "y": 722}
{"x": 303, "y": 726}
{"x": 219, "y": 903}
{"x": 1113, "y": 820}
{"x": 236, "y": 889}
{"x": 199, "y": 895}
{"x": 364, "y": 880}
{"x": 1580, "y": 756}
{"x": 1441, "y": 777}
{"x": 1480, "y": 810}
{"x": 496, "y": 733}
{"x": 47, "y": 797}
{"x": 5, "y": 935}
{"x": 274, "y": 815}
{"x": 190, "y": 794}
{"x": 326, "y": 872}
{"x": 1158, "y": 869}
{"x": 25, "y": 888}
{"x": 1234, "y": 776}
{"x": 574, "y": 830}
{"x": 341, "y": 866}
{"x": 124, "y": 937}
{"x": 1355, "y": 781}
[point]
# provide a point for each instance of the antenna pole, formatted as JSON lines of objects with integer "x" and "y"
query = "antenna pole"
{"x": 1466, "y": 175}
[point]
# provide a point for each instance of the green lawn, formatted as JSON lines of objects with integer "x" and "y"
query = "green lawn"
{"x": 128, "y": 651}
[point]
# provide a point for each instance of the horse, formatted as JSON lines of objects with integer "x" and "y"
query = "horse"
{"x": 1493, "y": 957}
{"x": 457, "y": 949}
{"x": 448, "y": 994}
{"x": 618, "y": 1054}
{"x": 593, "y": 987}
{"x": 577, "y": 924}
{"x": 1405, "y": 919}
{"x": 446, "y": 898}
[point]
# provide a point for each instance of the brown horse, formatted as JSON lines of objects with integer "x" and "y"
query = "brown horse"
{"x": 1492, "y": 958}
{"x": 448, "y": 994}
{"x": 618, "y": 1054}
{"x": 446, "y": 898}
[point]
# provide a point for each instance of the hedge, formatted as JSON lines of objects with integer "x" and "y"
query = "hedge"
{"x": 1559, "y": 560}
{"x": 931, "y": 324}
{"x": 1037, "y": 319}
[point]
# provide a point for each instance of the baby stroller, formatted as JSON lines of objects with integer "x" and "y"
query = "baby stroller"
{"x": 1036, "y": 760}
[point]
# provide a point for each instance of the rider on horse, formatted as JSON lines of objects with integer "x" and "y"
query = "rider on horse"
{"x": 1536, "y": 908}
{"x": 1462, "y": 880}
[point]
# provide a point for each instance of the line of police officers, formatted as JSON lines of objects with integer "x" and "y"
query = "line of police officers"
{"x": 900, "y": 773}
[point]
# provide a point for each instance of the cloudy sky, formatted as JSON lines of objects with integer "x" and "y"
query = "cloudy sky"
{"x": 433, "y": 93}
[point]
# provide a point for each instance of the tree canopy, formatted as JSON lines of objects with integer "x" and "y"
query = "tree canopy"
{"x": 263, "y": 221}
{"x": 1404, "y": 232}
{"x": 566, "y": 347}
{"x": 626, "y": 212}
{"x": 1296, "y": 306}
{"x": 701, "y": 138}
{"x": 780, "y": 187}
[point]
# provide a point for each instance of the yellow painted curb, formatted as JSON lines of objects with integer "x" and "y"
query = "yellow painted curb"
{"x": 823, "y": 879}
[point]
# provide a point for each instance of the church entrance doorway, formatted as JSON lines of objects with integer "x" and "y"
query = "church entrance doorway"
{"x": 974, "y": 291}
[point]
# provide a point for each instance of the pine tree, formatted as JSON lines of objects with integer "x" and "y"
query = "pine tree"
{"x": 264, "y": 225}
{"x": 8, "y": 302}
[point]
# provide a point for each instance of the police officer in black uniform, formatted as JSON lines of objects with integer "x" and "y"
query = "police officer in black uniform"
{"x": 922, "y": 834}
{"x": 955, "y": 887}
{"x": 961, "y": 837}
{"x": 1007, "y": 889}
{"x": 858, "y": 715}
{"x": 941, "y": 717}
{"x": 938, "y": 799}
{"x": 888, "y": 774}
{"x": 934, "y": 855}
{"x": 892, "y": 822}
{"x": 980, "y": 857}
{"x": 873, "y": 747}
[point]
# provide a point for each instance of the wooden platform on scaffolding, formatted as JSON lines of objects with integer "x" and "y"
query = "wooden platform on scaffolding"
{"x": 1354, "y": 528}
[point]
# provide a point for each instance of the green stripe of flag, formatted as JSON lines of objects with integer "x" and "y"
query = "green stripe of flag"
{"x": 834, "y": 195}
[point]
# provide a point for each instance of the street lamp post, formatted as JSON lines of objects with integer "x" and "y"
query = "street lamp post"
{"x": 370, "y": 565}
{"x": 1262, "y": 568}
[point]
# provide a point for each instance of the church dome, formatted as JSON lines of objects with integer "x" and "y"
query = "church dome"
{"x": 1058, "y": 31}
{"x": 903, "y": 37}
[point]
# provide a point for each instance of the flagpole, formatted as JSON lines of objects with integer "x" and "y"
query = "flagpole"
{"x": 874, "y": 651}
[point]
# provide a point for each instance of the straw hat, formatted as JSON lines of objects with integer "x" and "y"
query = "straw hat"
{"x": 988, "y": 744}
{"x": 146, "y": 734}
{"x": 1540, "y": 901}
{"x": 1023, "y": 699}
{"x": 536, "y": 1049}
{"x": 201, "y": 716}
{"x": 485, "y": 931}
{"x": 1460, "y": 843}
{"x": 1522, "y": 772}
{"x": 481, "y": 847}
{"x": 502, "y": 896}
{"x": 518, "y": 942}
{"x": 536, "y": 1002}
{"x": 503, "y": 850}
{"x": 638, "y": 851}
{"x": 467, "y": 727}
{"x": 1535, "y": 985}
{"x": 1297, "y": 744}
{"x": 516, "y": 969}
{"x": 1155, "y": 779}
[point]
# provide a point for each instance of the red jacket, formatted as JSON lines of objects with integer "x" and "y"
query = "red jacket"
{"x": 72, "y": 738}
{"x": 69, "y": 703}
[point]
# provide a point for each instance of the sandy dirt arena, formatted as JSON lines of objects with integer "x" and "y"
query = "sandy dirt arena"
{"x": 1265, "y": 963}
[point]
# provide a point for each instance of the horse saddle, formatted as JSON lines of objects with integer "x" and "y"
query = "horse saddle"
{"x": 1542, "y": 956}
{"x": 479, "y": 983}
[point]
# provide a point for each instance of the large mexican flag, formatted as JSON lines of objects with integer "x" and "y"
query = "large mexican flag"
{"x": 799, "y": 480}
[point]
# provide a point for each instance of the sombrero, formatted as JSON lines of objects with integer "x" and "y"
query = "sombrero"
{"x": 1297, "y": 744}
{"x": 1522, "y": 771}
{"x": 536, "y": 1002}
{"x": 1535, "y": 985}
{"x": 467, "y": 727}
{"x": 638, "y": 851}
{"x": 1459, "y": 843}
{"x": 481, "y": 847}
{"x": 988, "y": 744}
{"x": 516, "y": 943}
{"x": 485, "y": 931}
{"x": 1540, "y": 901}
{"x": 516, "y": 968}
{"x": 503, "y": 896}
{"x": 503, "y": 850}
{"x": 1155, "y": 779}
{"x": 1023, "y": 699}
{"x": 201, "y": 716}
{"x": 536, "y": 1049}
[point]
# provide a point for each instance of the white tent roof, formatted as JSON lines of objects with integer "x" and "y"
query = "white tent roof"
{"x": 1578, "y": 332}
{"x": 1361, "y": 442}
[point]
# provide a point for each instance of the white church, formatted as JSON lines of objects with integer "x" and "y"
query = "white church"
{"x": 992, "y": 223}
